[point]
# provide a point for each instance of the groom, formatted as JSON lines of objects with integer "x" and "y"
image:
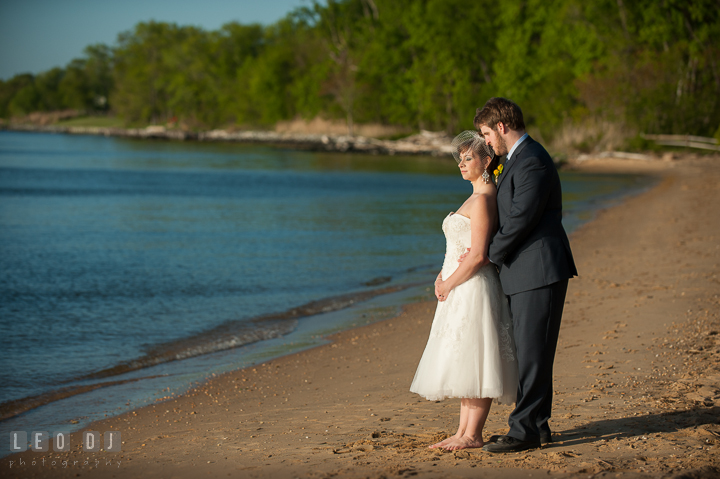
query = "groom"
{"x": 532, "y": 253}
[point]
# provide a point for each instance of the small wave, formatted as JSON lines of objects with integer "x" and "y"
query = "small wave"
{"x": 221, "y": 338}
{"x": 229, "y": 335}
{"x": 234, "y": 334}
{"x": 14, "y": 408}
{"x": 378, "y": 281}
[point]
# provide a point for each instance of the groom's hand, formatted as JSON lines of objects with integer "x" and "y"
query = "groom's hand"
{"x": 463, "y": 256}
{"x": 485, "y": 260}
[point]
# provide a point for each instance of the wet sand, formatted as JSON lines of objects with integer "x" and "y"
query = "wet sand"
{"x": 637, "y": 375}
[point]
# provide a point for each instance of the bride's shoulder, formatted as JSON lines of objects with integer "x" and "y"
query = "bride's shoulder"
{"x": 482, "y": 201}
{"x": 487, "y": 194}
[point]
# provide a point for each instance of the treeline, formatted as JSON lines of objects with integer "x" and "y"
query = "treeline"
{"x": 653, "y": 65}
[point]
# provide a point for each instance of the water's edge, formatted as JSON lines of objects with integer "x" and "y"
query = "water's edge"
{"x": 226, "y": 336}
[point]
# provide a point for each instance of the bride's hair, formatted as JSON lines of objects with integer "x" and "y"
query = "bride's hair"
{"x": 471, "y": 140}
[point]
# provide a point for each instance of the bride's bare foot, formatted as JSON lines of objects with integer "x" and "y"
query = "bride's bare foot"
{"x": 442, "y": 443}
{"x": 464, "y": 442}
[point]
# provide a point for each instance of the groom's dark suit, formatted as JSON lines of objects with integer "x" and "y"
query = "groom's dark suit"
{"x": 532, "y": 252}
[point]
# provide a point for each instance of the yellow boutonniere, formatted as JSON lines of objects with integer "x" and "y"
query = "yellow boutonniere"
{"x": 498, "y": 171}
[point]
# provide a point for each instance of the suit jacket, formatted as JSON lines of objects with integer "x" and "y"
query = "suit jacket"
{"x": 531, "y": 248}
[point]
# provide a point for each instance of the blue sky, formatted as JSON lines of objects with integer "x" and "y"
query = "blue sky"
{"x": 36, "y": 35}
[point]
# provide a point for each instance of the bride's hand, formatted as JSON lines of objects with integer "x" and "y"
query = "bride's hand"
{"x": 441, "y": 290}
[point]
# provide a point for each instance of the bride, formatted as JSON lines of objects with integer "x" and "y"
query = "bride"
{"x": 470, "y": 353}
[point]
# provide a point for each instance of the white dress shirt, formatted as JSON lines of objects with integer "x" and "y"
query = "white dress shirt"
{"x": 514, "y": 147}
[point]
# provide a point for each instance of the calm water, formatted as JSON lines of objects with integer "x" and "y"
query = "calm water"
{"x": 118, "y": 257}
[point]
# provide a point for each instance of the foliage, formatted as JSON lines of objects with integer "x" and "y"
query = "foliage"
{"x": 661, "y": 70}
{"x": 84, "y": 84}
{"x": 651, "y": 65}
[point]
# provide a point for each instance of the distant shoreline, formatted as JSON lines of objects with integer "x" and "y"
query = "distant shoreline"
{"x": 426, "y": 143}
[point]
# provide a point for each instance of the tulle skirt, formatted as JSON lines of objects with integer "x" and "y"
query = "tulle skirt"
{"x": 470, "y": 352}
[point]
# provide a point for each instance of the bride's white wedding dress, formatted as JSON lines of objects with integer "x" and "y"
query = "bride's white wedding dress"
{"x": 470, "y": 352}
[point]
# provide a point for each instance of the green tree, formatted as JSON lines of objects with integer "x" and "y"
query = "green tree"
{"x": 23, "y": 97}
{"x": 74, "y": 86}
{"x": 47, "y": 85}
{"x": 542, "y": 48}
{"x": 660, "y": 73}
{"x": 653, "y": 65}
{"x": 235, "y": 45}
{"x": 341, "y": 25}
{"x": 267, "y": 78}
{"x": 142, "y": 73}
{"x": 99, "y": 74}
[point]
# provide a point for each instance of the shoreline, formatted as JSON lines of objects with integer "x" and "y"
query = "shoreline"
{"x": 374, "y": 427}
{"x": 426, "y": 143}
{"x": 283, "y": 324}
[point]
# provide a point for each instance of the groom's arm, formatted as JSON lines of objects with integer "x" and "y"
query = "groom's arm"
{"x": 532, "y": 183}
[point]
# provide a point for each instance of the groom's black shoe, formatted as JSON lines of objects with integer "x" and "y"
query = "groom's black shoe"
{"x": 510, "y": 444}
{"x": 545, "y": 438}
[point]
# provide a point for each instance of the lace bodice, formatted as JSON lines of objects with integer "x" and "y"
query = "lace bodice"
{"x": 457, "y": 237}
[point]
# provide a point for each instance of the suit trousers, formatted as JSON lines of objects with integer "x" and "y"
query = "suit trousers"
{"x": 536, "y": 318}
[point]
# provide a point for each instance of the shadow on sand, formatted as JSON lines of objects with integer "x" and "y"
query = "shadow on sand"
{"x": 628, "y": 427}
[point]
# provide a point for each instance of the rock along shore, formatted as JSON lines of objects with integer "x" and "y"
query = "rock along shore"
{"x": 424, "y": 143}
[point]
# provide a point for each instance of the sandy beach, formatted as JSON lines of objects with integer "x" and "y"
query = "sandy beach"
{"x": 637, "y": 375}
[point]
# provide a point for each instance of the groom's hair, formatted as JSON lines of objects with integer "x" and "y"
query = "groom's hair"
{"x": 499, "y": 110}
